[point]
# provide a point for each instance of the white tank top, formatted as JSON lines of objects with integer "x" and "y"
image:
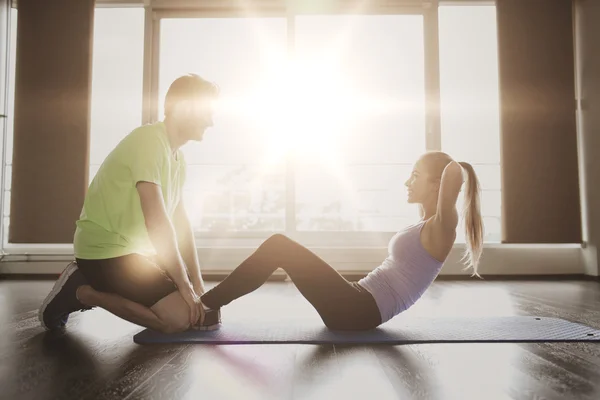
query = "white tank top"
{"x": 404, "y": 275}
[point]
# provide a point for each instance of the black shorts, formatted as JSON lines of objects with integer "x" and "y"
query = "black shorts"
{"x": 134, "y": 277}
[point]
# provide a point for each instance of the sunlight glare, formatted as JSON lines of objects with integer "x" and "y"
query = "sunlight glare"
{"x": 304, "y": 107}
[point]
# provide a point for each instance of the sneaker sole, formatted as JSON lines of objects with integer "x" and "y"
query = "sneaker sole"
{"x": 62, "y": 279}
{"x": 207, "y": 328}
{"x": 212, "y": 327}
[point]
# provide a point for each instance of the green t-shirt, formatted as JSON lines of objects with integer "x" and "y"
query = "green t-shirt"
{"x": 111, "y": 223}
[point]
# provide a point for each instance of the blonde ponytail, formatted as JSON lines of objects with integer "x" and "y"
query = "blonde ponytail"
{"x": 474, "y": 231}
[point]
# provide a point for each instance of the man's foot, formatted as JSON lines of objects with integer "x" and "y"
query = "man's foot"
{"x": 62, "y": 300}
{"x": 212, "y": 321}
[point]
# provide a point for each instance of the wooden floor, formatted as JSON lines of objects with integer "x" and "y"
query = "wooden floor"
{"x": 97, "y": 359}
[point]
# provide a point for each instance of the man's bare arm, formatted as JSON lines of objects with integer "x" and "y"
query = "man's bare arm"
{"x": 187, "y": 247}
{"x": 163, "y": 237}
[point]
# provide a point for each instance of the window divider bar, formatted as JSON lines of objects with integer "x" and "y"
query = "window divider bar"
{"x": 433, "y": 135}
{"x": 290, "y": 167}
{"x": 147, "y": 95}
{"x": 151, "y": 66}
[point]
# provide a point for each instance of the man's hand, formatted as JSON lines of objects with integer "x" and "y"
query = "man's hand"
{"x": 187, "y": 247}
{"x": 163, "y": 237}
{"x": 193, "y": 302}
{"x": 198, "y": 286}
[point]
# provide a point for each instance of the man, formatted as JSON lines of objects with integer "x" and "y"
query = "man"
{"x": 134, "y": 245}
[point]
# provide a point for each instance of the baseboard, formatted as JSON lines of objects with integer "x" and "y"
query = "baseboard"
{"x": 28, "y": 277}
{"x": 498, "y": 262}
{"x": 351, "y": 276}
{"x": 594, "y": 278}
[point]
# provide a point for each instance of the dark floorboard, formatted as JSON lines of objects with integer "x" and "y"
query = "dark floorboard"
{"x": 97, "y": 359}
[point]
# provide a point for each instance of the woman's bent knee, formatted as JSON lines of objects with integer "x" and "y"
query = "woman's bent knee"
{"x": 279, "y": 242}
{"x": 278, "y": 239}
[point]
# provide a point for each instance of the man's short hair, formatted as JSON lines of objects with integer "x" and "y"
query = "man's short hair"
{"x": 186, "y": 87}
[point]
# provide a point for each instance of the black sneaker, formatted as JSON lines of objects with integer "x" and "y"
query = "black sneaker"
{"x": 62, "y": 300}
{"x": 212, "y": 321}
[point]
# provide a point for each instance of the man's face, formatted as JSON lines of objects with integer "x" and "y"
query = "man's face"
{"x": 193, "y": 117}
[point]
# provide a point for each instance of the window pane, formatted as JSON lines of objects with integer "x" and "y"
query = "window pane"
{"x": 6, "y": 212}
{"x": 470, "y": 99}
{"x": 4, "y": 49}
{"x": 10, "y": 120}
{"x": 369, "y": 114}
{"x": 93, "y": 171}
{"x": 235, "y": 197}
{"x": 117, "y": 78}
{"x": 8, "y": 151}
{"x": 230, "y": 186}
{"x": 6, "y": 227}
{"x": 8, "y": 178}
{"x": 366, "y": 198}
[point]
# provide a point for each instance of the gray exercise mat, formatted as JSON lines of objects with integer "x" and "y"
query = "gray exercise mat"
{"x": 397, "y": 331}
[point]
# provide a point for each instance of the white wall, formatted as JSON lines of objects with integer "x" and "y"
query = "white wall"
{"x": 587, "y": 35}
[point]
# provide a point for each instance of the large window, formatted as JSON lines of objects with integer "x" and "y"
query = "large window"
{"x": 470, "y": 101}
{"x": 319, "y": 132}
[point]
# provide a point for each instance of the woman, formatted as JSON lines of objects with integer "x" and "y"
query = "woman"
{"x": 416, "y": 255}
